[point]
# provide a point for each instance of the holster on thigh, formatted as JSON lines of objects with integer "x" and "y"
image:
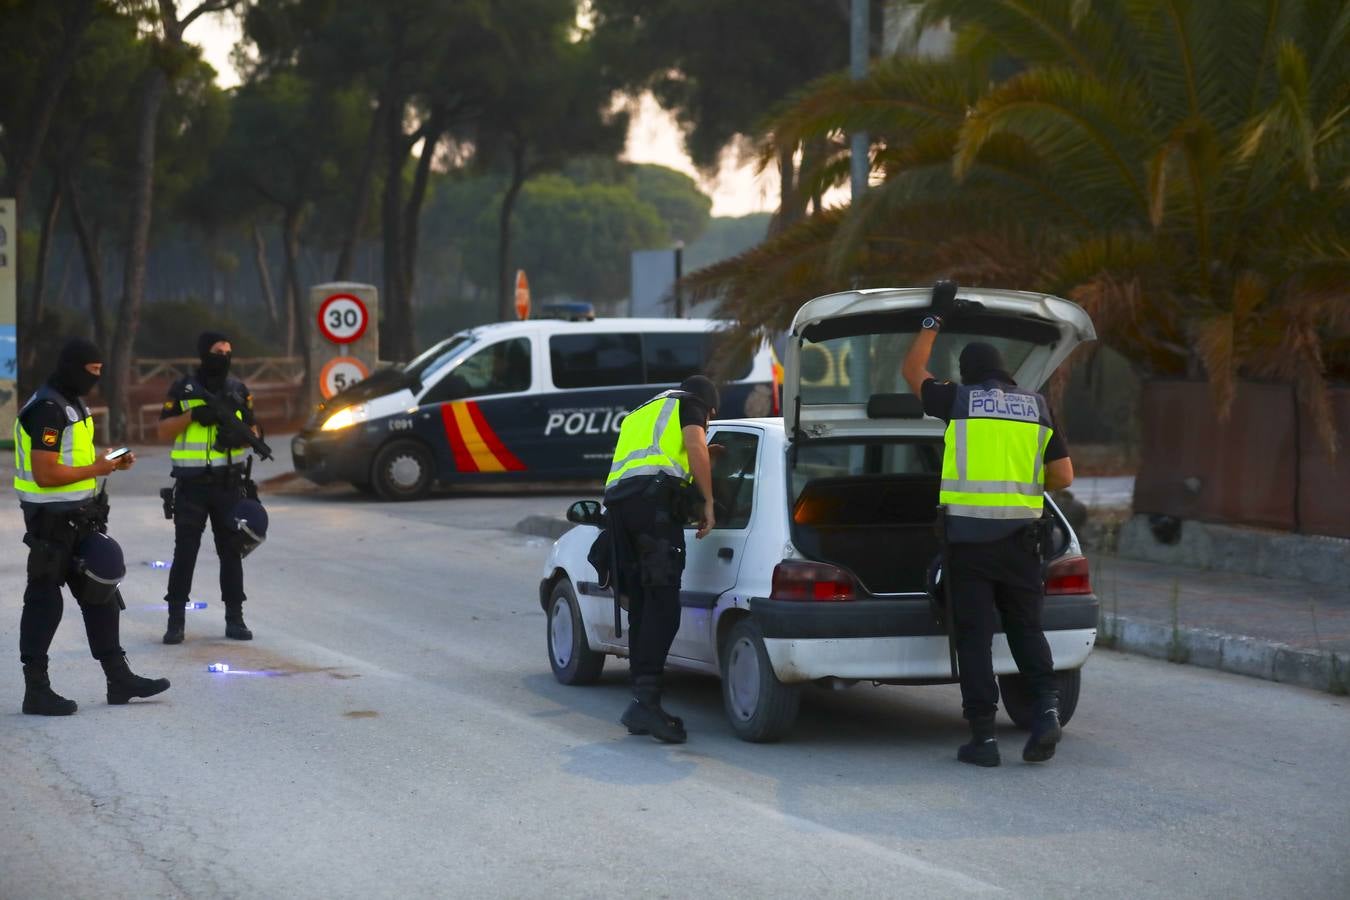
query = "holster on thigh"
{"x": 661, "y": 562}
{"x": 49, "y": 558}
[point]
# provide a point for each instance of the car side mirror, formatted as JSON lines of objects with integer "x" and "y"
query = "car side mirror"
{"x": 585, "y": 512}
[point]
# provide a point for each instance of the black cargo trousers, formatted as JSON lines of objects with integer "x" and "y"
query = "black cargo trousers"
{"x": 197, "y": 499}
{"x": 650, "y": 549}
{"x": 990, "y": 581}
{"x": 43, "y": 605}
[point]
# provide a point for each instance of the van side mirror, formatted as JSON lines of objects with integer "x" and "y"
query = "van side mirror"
{"x": 585, "y": 512}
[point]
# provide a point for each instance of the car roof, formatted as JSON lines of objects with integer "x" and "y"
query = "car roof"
{"x": 767, "y": 423}
{"x": 560, "y": 326}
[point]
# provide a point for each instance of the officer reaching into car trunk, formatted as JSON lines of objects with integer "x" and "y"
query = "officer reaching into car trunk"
{"x": 1002, "y": 452}
{"x": 66, "y": 519}
{"x": 661, "y": 477}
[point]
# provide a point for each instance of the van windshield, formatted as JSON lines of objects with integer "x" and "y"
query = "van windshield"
{"x": 434, "y": 357}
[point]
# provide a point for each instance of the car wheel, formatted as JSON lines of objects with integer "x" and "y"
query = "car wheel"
{"x": 1020, "y": 702}
{"x": 761, "y": 708}
{"x": 572, "y": 659}
{"x": 402, "y": 471}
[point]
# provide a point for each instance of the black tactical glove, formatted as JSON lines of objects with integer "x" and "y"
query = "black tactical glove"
{"x": 205, "y": 415}
{"x": 943, "y": 303}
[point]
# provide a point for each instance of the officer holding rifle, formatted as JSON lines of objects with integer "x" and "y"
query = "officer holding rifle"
{"x": 209, "y": 417}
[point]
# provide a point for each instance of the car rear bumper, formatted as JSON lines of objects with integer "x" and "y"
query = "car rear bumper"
{"x": 904, "y": 658}
{"x": 886, "y": 640}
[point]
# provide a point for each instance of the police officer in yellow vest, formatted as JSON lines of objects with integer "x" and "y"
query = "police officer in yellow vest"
{"x": 56, "y": 472}
{"x": 209, "y": 479}
{"x": 661, "y": 464}
{"x": 1002, "y": 454}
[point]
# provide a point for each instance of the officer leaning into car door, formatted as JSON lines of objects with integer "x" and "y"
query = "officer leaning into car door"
{"x": 661, "y": 477}
{"x": 211, "y": 471}
{"x": 1002, "y": 454}
{"x": 65, "y": 516}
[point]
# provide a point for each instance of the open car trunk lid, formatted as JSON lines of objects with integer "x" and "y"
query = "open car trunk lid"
{"x": 845, "y": 348}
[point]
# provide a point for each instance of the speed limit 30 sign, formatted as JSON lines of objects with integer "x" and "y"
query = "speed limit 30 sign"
{"x": 340, "y": 373}
{"x": 343, "y": 318}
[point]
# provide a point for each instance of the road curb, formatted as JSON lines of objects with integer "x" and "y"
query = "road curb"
{"x": 1242, "y": 655}
{"x": 1239, "y": 654}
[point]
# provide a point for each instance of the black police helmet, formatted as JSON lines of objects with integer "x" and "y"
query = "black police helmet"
{"x": 702, "y": 388}
{"x": 98, "y": 558}
{"x": 250, "y": 523}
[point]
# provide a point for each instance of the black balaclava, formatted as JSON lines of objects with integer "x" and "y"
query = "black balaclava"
{"x": 702, "y": 388}
{"x": 982, "y": 362}
{"x": 215, "y": 366}
{"x": 71, "y": 377}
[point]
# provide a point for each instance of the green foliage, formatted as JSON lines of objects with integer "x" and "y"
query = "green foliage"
{"x": 1182, "y": 169}
{"x": 169, "y": 329}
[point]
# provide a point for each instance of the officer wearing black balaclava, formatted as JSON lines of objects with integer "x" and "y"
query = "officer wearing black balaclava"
{"x": 1002, "y": 452}
{"x": 56, "y": 477}
{"x": 210, "y": 474}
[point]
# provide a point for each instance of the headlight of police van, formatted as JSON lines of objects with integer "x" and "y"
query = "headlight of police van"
{"x": 346, "y": 417}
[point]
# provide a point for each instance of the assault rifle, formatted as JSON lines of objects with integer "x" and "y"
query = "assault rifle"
{"x": 231, "y": 432}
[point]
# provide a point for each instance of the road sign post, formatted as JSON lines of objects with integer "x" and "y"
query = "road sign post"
{"x": 522, "y": 295}
{"x": 345, "y": 342}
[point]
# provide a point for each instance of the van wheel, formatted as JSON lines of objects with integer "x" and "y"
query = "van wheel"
{"x": 572, "y": 659}
{"x": 1020, "y": 703}
{"x": 761, "y": 708}
{"x": 402, "y": 471}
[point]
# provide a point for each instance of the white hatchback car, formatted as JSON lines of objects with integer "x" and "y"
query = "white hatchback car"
{"x": 816, "y": 571}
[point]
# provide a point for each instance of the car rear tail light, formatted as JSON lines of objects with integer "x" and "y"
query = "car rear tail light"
{"x": 812, "y": 582}
{"x": 1069, "y": 575}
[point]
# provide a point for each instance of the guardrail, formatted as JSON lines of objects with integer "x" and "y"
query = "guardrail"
{"x": 250, "y": 370}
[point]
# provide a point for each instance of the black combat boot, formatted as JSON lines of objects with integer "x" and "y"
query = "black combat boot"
{"x": 645, "y": 715}
{"x": 177, "y": 621}
{"x": 235, "y": 629}
{"x": 38, "y": 697}
{"x": 1045, "y": 733}
{"x": 123, "y": 684}
{"x": 983, "y": 747}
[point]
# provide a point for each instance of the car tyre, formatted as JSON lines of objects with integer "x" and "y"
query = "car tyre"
{"x": 571, "y": 657}
{"x": 1020, "y": 702}
{"x": 403, "y": 470}
{"x": 760, "y": 707}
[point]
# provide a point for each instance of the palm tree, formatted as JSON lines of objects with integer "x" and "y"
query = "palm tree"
{"x": 1179, "y": 167}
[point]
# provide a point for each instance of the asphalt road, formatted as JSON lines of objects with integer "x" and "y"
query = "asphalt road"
{"x": 397, "y": 732}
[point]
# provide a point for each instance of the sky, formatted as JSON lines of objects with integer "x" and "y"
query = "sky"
{"x": 653, "y": 137}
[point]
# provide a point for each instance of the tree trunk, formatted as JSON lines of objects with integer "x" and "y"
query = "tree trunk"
{"x": 347, "y": 254}
{"x": 791, "y": 204}
{"x": 395, "y": 332}
{"x": 291, "y": 247}
{"x": 265, "y": 278}
{"x": 93, "y": 262}
{"x": 506, "y": 307}
{"x": 412, "y": 219}
{"x": 48, "y": 234}
{"x": 138, "y": 247}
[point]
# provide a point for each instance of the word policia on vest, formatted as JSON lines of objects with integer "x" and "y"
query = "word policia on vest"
{"x": 995, "y": 404}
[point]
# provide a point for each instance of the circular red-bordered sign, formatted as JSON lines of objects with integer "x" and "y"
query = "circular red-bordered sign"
{"x": 340, "y": 373}
{"x": 343, "y": 318}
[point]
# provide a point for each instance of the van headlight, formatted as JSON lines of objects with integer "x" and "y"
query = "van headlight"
{"x": 346, "y": 417}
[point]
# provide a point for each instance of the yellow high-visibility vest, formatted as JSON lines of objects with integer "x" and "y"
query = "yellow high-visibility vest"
{"x": 195, "y": 447}
{"x": 993, "y": 461}
{"x": 651, "y": 442}
{"x": 76, "y": 449}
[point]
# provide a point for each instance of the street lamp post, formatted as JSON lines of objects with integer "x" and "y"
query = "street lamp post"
{"x": 679, "y": 273}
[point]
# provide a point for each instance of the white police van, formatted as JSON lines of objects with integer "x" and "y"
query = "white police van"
{"x": 536, "y": 400}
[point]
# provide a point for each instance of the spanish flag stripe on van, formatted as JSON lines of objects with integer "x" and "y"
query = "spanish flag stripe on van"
{"x": 463, "y": 461}
{"x": 504, "y": 456}
{"x": 473, "y": 441}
